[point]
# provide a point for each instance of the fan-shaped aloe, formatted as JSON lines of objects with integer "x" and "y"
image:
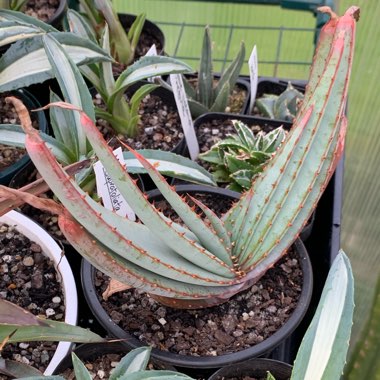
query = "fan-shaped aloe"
{"x": 210, "y": 259}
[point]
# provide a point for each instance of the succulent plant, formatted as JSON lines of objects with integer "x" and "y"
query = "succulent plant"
{"x": 283, "y": 106}
{"x": 33, "y": 35}
{"x": 102, "y": 12}
{"x": 209, "y": 259}
{"x": 238, "y": 158}
{"x": 203, "y": 96}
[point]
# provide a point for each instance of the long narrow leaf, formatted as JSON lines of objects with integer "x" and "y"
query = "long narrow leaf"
{"x": 322, "y": 354}
{"x": 26, "y": 63}
{"x": 205, "y": 76}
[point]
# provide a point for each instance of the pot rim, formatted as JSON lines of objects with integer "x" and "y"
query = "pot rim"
{"x": 88, "y": 271}
{"x": 37, "y": 234}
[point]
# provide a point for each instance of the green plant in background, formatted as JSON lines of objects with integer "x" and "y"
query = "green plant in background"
{"x": 102, "y": 12}
{"x": 283, "y": 106}
{"x": 202, "y": 94}
{"x": 120, "y": 113}
{"x": 364, "y": 361}
{"x": 208, "y": 261}
{"x": 238, "y": 159}
{"x": 19, "y": 325}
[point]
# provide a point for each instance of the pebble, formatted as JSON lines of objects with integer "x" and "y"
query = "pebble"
{"x": 215, "y": 132}
{"x": 56, "y": 299}
{"x": 162, "y": 321}
{"x": 4, "y": 268}
{"x": 49, "y": 312}
{"x": 45, "y": 357}
{"x": 28, "y": 261}
{"x": 101, "y": 373}
{"x": 7, "y": 258}
{"x": 24, "y": 345}
{"x": 245, "y": 316}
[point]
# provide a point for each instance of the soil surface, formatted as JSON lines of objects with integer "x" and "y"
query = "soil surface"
{"x": 28, "y": 278}
{"x": 9, "y": 154}
{"x": 159, "y": 126}
{"x": 247, "y": 319}
{"x": 42, "y": 9}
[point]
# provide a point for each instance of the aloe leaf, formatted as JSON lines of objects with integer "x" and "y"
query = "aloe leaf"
{"x": 302, "y": 185}
{"x": 207, "y": 236}
{"x": 13, "y": 135}
{"x": 121, "y": 46}
{"x": 266, "y": 106}
{"x": 135, "y": 361}
{"x": 196, "y": 108}
{"x": 54, "y": 331}
{"x": 147, "y": 213}
{"x": 232, "y": 73}
{"x": 156, "y": 375}
{"x": 11, "y": 314}
{"x": 26, "y": 63}
{"x": 80, "y": 26}
{"x": 43, "y": 377}
{"x": 92, "y": 73}
{"x": 135, "y": 30}
{"x": 211, "y": 156}
{"x": 189, "y": 89}
{"x": 205, "y": 77}
{"x": 106, "y": 74}
{"x": 139, "y": 95}
{"x": 126, "y": 272}
{"x": 80, "y": 370}
{"x": 322, "y": 354}
{"x": 74, "y": 90}
{"x": 11, "y": 31}
{"x": 147, "y": 67}
{"x": 235, "y": 164}
{"x": 243, "y": 177}
{"x": 17, "y": 370}
{"x": 22, "y": 18}
{"x": 221, "y": 99}
{"x": 170, "y": 164}
{"x": 244, "y": 132}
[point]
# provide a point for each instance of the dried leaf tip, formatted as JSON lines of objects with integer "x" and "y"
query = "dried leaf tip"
{"x": 329, "y": 11}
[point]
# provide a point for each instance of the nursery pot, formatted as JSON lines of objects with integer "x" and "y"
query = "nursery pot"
{"x": 254, "y": 368}
{"x": 31, "y": 103}
{"x": 196, "y": 362}
{"x": 58, "y": 17}
{"x": 38, "y": 235}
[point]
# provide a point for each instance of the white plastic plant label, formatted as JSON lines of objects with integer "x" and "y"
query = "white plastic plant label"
{"x": 253, "y": 75}
{"x": 112, "y": 199}
{"x": 151, "y": 52}
{"x": 184, "y": 114}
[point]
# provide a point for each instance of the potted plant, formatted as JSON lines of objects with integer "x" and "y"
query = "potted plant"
{"x": 50, "y": 249}
{"x": 204, "y": 95}
{"x": 18, "y": 325}
{"x": 199, "y": 266}
{"x": 51, "y": 13}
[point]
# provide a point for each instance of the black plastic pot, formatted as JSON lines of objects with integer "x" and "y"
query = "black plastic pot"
{"x": 59, "y": 16}
{"x": 184, "y": 361}
{"x": 150, "y": 29}
{"x": 31, "y": 103}
{"x": 257, "y": 368}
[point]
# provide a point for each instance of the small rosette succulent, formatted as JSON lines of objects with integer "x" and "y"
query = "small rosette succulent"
{"x": 281, "y": 107}
{"x": 239, "y": 158}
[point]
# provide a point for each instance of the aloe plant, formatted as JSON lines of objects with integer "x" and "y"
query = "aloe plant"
{"x": 101, "y": 12}
{"x": 204, "y": 96}
{"x": 209, "y": 259}
{"x": 15, "y": 5}
{"x": 132, "y": 367}
{"x": 19, "y": 325}
{"x": 122, "y": 115}
{"x": 283, "y": 106}
{"x": 238, "y": 159}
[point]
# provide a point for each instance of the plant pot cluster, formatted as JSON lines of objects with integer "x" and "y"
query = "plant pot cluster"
{"x": 238, "y": 347}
